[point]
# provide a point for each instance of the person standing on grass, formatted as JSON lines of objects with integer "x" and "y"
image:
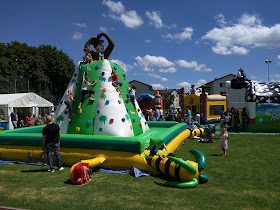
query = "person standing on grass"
{"x": 236, "y": 120}
{"x": 224, "y": 140}
{"x": 14, "y": 118}
{"x": 244, "y": 117}
{"x": 51, "y": 143}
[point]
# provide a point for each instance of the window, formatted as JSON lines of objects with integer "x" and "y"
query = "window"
{"x": 221, "y": 84}
{"x": 216, "y": 109}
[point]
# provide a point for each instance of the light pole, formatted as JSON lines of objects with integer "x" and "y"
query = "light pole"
{"x": 268, "y": 61}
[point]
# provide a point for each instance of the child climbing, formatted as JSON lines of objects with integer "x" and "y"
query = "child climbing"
{"x": 84, "y": 89}
{"x": 100, "y": 50}
{"x": 116, "y": 81}
{"x": 87, "y": 58}
{"x": 162, "y": 151}
{"x": 131, "y": 94}
{"x": 68, "y": 100}
{"x": 223, "y": 141}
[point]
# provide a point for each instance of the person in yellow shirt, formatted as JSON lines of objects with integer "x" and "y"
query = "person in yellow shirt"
{"x": 162, "y": 151}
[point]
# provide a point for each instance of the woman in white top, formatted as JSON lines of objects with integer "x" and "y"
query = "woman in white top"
{"x": 85, "y": 90}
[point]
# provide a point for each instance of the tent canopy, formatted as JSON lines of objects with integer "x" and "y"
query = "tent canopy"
{"x": 23, "y": 100}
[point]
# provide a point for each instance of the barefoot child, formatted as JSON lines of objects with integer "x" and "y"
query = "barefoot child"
{"x": 223, "y": 140}
{"x": 84, "y": 89}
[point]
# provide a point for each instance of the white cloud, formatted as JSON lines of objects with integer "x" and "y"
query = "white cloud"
{"x": 81, "y": 25}
{"x": 221, "y": 20}
{"x": 187, "y": 85}
{"x": 149, "y": 60}
{"x": 278, "y": 56}
{"x": 193, "y": 65}
{"x": 170, "y": 70}
{"x": 277, "y": 75}
{"x": 155, "y": 19}
{"x": 117, "y": 12}
{"x": 125, "y": 67}
{"x": 131, "y": 19}
{"x": 247, "y": 32}
{"x": 185, "y": 34}
{"x": 103, "y": 29}
{"x": 163, "y": 79}
{"x": 148, "y": 69}
{"x": 77, "y": 35}
{"x": 157, "y": 86}
{"x": 116, "y": 7}
{"x": 148, "y": 41}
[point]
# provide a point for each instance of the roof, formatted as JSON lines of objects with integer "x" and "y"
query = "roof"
{"x": 23, "y": 100}
{"x": 140, "y": 82}
{"x": 167, "y": 91}
{"x": 208, "y": 83}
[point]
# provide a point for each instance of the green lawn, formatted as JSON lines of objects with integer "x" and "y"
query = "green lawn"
{"x": 248, "y": 178}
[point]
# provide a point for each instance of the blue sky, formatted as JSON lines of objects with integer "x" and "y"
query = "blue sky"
{"x": 162, "y": 43}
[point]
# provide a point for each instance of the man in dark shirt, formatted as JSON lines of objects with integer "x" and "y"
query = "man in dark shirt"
{"x": 14, "y": 118}
{"x": 51, "y": 143}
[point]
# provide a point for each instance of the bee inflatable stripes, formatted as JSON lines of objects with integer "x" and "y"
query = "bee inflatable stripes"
{"x": 187, "y": 173}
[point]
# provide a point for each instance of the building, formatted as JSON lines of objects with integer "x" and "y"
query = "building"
{"x": 166, "y": 93}
{"x": 236, "y": 97}
{"x": 142, "y": 88}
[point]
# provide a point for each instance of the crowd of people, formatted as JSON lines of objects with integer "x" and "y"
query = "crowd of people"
{"x": 28, "y": 120}
{"x": 232, "y": 120}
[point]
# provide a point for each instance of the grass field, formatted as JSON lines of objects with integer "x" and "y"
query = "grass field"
{"x": 247, "y": 178}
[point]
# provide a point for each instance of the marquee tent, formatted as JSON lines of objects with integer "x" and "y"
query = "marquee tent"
{"x": 30, "y": 100}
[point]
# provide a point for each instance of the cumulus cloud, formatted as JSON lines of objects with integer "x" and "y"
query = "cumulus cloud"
{"x": 185, "y": 34}
{"x": 187, "y": 85}
{"x": 155, "y": 19}
{"x": 168, "y": 70}
{"x": 157, "y": 86}
{"x": 102, "y": 29}
{"x": 117, "y": 11}
{"x": 221, "y": 20}
{"x": 125, "y": 67}
{"x": 81, "y": 25}
{"x": 193, "y": 65}
{"x": 77, "y": 35}
{"x": 163, "y": 79}
{"x": 148, "y": 41}
{"x": 149, "y": 60}
{"x": 247, "y": 32}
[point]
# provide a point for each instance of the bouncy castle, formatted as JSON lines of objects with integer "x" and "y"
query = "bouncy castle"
{"x": 262, "y": 102}
{"x": 108, "y": 129}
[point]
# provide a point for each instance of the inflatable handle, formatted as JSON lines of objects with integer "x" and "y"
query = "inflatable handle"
{"x": 200, "y": 158}
{"x": 190, "y": 184}
{"x": 190, "y": 168}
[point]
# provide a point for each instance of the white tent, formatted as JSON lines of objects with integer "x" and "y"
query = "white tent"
{"x": 31, "y": 100}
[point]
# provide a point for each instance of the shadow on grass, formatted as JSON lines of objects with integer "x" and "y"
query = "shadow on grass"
{"x": 215, "y": 155}
{"x": 34, "y": 171}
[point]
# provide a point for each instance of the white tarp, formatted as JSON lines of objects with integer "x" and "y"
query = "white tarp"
{"x": 32, "y": 100}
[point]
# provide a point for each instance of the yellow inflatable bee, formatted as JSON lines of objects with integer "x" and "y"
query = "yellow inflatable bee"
{"x": 187, "y": 173}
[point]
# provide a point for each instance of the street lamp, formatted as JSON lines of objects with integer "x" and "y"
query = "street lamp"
{"x": 268, "y": 61}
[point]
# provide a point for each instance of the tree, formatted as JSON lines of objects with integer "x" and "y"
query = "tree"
{"x": 168, "y": 100}
{"x": 43, "y": 70}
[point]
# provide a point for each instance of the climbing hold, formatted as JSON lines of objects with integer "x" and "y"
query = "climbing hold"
{"x": 134, "y": 119}
{"x": 89, "y": 122}
{"x": 97, "y": 66}
{"x": 121, "y": 84}
{"x": 61, "y": 102}
{"x": 145, "y": 123}
{"x": 104, "y": 89}
{"x": 131, "y": 127}
{"x": 75, "y": 75}
{"x": 126, "y": 100}
{"x": 80, "y": 67}
{"x": 111, "y": 120}
{"x": 100, "y": 129}
{"x": 77, "y": 83}
{"x": 107, "y": 101}
{"x": 66, "y": 111}
{"x": 98, "y": 111}
{"x": 103, "y": 73}
{"x": 80, "y": 111}
{"x": 78, "y": 128}
{"x": 119, "y": 101}
{"x": 69, "y": 120}
{"x": 123, "y": 119}
{"x": 140, "y": 125}
{"x": 138, "y": 110}
{"x": 115, "y": 67}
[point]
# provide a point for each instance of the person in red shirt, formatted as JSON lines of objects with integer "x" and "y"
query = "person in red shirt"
{"x": 116, "y": 80}
{"x": 29, "y": 120}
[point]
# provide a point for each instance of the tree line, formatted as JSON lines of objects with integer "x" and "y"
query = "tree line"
{"x": 43, "y": 70}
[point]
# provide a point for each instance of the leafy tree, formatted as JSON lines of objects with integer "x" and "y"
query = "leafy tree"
{"x": 43, "y": 70}
{"x": 168, "y": 100}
